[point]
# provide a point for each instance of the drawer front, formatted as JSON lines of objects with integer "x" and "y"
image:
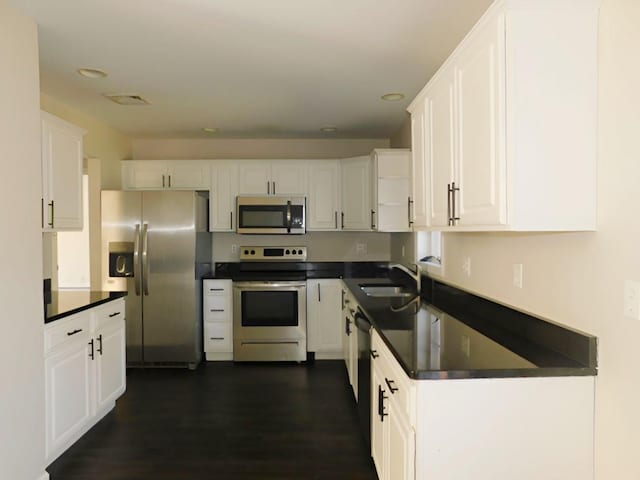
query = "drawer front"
{"x": 217, "y": 308}
{"x": 66, "y": 331}
{"x": 218, "y": 337}
{"x": 109, "y": 312}
{"x": 216, "y": 287}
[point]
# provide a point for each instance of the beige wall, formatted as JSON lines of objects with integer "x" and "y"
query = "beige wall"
{"x": 171, "y": 149}
{"x": 322, "y": 246}
{"x": 22, "y": 318}
{"x": 577, "y": 279}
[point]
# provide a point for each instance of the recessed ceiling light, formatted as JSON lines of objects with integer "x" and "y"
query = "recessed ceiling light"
{"x": 392, "y": 97}
{"x": 329, "y": 129}
{"x": 126, "y": 99}
{"x": 209, "y": 129}
{"x": 92, "y": 73}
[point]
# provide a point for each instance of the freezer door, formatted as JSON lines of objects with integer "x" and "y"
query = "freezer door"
{"x": 169, "y": 281}
{"x": 121, "y": 222}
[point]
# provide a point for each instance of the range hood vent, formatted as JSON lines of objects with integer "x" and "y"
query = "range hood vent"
{"x": 126, "y": 99}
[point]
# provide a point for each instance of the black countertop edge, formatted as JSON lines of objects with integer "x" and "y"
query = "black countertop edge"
{"x": 502, "y": 373}
{"x": 75, "y": 302}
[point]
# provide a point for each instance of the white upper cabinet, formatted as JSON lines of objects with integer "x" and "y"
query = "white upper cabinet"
{"x": 323, "y": 202}
{"x": 222, "y": 196}
{"x": 357, "y": 213}
{"x": 272, "y": 177}
{"x": 505, "y": 133}
{"x": 391, "y": 190}
{"x": 62, "y": 155}
{"x": 165, "y": 175}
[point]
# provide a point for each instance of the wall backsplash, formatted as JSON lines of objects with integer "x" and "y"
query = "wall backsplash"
{"x": 321, "y": 246}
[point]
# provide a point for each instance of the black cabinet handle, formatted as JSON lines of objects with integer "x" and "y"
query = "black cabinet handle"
{"x": 319, "y": 297}
{"x": 342, "y": 220}
{"x": 91, "y": 354}
{"x": 374, "y": 354}
{"x": 217, "y": 309}
{"x": 100, "y": 342}
{"x": 381, "y": 399}
{"x": 216, "y": 338}
{"x": 390, "y": 384}
{"x": 77, "y": 330}
{"x": 230, "y": 220}
{"x": 216, "y": 289}
{"x": 114, "y": 314}
{"x": 347, "y": 325}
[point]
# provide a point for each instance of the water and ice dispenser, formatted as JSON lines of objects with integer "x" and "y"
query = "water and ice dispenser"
{"x": 121, "y": 259}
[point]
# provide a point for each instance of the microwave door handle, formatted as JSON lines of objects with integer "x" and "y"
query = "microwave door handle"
{"x": 288, "y": 216}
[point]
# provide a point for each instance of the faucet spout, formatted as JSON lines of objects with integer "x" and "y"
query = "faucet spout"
{"x": 415, "y": 275}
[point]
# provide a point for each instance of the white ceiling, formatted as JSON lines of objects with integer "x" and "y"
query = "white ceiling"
{"x": 251, "y": 68}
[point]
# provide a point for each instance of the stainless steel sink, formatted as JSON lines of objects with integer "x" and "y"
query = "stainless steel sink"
{"x": 386, "y": 290}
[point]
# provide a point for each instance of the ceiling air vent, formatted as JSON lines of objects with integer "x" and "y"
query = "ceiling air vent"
{"x": 124, "y": 99}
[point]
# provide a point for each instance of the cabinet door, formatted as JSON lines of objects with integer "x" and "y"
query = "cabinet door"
{"x": 356, "y": 194}
{"x": 439, "y": 146}
{"x": 421, "y": 182}
{"x": 144, "y": 175}
{"x": 480, "y": 77}
{"x": 324, "y": 313}
{"x": 289, "y": 177}
{"x": 188, "y": 175}
{"x": 254, "y": 177}
{"x": 62, "y": 154}
{"x": 378, "y": 423}
{"x": 110, "y": 363}
{"x": 68, "y": 387}
{"x": 392, "y": 189}
{"x": 400, "y": 445}
{"x": 222, "y": 196}
{"x": 323, "y": 202}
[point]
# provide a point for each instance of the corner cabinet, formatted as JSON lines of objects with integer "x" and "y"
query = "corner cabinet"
{"x": 391, "y": 190}
{"x": 323, "y": 201}
{"x": 504, "y": 134}
{"x": 324, "y": 315}
{"x": 62, "y": 156}
{"x": 165, "y": 175}
{"x": 84, "y": 373}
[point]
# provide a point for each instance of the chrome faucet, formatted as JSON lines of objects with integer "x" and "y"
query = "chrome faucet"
{"x": 415, "y": 275}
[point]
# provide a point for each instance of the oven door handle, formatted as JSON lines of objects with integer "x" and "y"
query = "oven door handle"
{"x": 267, "y": 285}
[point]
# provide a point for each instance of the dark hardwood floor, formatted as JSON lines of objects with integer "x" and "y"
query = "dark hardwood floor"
{"x": 226, "y": 421}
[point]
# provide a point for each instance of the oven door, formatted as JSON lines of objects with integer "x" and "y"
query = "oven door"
{"x": 269, "y": 321}
{"x": 271, "y": 215}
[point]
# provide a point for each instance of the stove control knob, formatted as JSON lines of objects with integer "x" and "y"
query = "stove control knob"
{"x": 246, "y": 252}
{"x": 299, "y": 252}
{"x": 253, "y": 252}
{"x": 287, "y": 252}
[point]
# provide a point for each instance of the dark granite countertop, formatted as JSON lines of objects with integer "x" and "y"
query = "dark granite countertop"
{"x": 68, "y": 302}
{"x": 449, "y": 333}
{"x": 304, "y": 270}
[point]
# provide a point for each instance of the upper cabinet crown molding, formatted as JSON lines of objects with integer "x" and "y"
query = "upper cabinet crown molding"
{"x": 504, "y": 134}
{"x": 62, "y": 156}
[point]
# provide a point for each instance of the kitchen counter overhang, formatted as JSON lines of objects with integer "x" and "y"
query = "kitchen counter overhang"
{"x": 452, "y": 334}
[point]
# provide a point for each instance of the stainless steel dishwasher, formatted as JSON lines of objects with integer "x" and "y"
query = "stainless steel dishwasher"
{"x": 364, "y": 374}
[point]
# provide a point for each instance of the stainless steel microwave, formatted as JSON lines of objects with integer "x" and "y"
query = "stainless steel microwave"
{"x": 271, "y": 215}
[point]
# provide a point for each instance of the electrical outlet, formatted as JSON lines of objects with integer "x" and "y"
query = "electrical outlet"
{"x": 361, "y": 248}
{"x": 234, "y": 248}
{"x": 517, "y": 275}
{"x": 465, "y": 345}
{"x": 403, "y": 250}
{"x": 466, "y": 266}
{"x": 632, "y": 299}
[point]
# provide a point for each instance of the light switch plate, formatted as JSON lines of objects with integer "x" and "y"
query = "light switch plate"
{"x": 632, "y": 299}
{"x": 517, "y": 275}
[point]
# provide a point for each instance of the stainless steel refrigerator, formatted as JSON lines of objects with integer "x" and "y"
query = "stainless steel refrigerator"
{"x": 155, "y": 245}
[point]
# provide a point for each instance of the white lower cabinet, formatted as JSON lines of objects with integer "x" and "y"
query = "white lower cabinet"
{"x": 218, "y": 319}
{"x": 350, "y": 338}
{"x": 481, "y": 428}
{"x": 84, "y": 373}
{"x": 324, "y": 311}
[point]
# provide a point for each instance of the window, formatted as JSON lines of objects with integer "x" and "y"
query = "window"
{"x": 429, "y": 249}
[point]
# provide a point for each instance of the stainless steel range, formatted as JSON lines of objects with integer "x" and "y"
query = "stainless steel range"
{"x": 269, "y": 305}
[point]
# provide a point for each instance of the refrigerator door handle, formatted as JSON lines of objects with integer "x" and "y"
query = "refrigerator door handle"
{"x": 145, "y": 259}
{"x": 137, "y": 278}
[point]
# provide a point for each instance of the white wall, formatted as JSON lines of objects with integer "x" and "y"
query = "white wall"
{"x": 22, "y": 319}
{"x": 578, "y": 278}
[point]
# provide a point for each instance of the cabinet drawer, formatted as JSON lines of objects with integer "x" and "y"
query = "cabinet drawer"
{"x": 216, "y": 308}
{"x": 107, "y": 313}
{"x": 218, "y": 337}
{"x": 66, "y": 331}
{"x": 216, "y": 287}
